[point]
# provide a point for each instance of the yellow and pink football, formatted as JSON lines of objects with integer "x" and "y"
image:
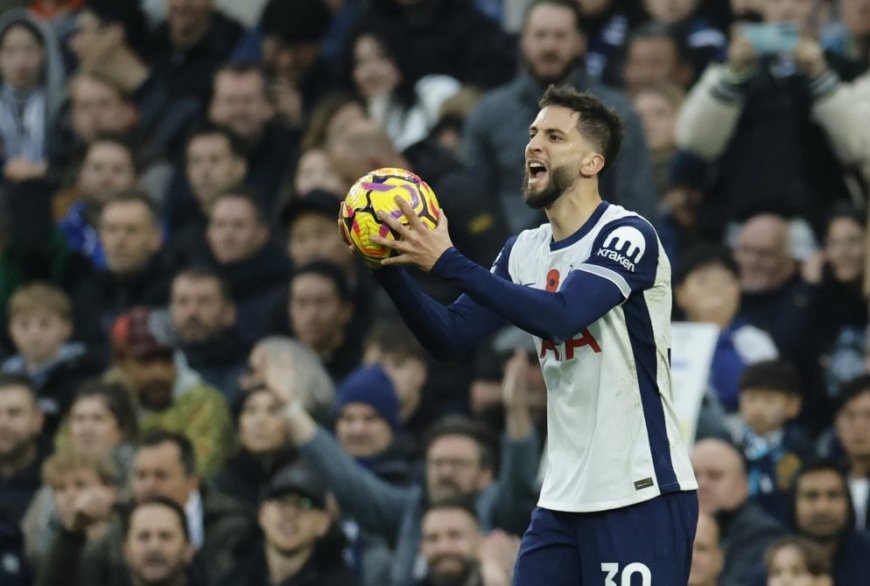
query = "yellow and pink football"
{"x": 377, "y": 191}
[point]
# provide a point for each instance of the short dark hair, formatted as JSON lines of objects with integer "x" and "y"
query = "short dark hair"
{"x": 771, "y": 375}
{"x": 327, "y": 270}
{"x": 394, "y": 338}
{"x": 135, "y": 196}
{"x": 126, "y": 13}
{"x": 237, "y": 147}
{"x": 116, "y": 139}
{"x": 657, "y": 30}
{"x": 296, "y": 21}
{"x": 116, "y": 399}
{"x": 843, "y": 211}
{"x": 157, "y": 437}
{"x": 852, "y": 389}
{"x": 456, "y": 501}
{"x": 815, "y": 557}
{"x": 160, "y": 501}
{"x": 8, "y": 380}
{"x": 571, "y": 5}
{"x": 702, "y": 256}
{"x": 597, "y": 123}
{"x": 243, "y": 192}
{"x": 477, "y": 432}
{"x": 204, "y": 273}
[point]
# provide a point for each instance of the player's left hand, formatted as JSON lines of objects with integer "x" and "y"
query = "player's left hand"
{"x": 417, "y": 245}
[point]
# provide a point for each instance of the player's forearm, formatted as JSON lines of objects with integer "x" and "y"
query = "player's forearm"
{"x": 554, "y": 316}
{"x": 444, "y": 331}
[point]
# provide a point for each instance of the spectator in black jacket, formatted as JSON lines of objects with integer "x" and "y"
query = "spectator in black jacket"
{"x": 189, "y": 45}
{"x": 302, "y": 544}
{"x": 20, "y": 453}
{"x": 823, "y": 513}
{"x": 138, "y": 270}
{"x": 745, "y": 529}
{"x": 203, "y": 315}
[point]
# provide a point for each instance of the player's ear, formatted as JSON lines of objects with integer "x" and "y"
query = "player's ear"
{"x": 592, "y": 164}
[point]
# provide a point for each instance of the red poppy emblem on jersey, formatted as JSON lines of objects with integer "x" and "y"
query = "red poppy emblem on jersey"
{"x": 553, "y": 280}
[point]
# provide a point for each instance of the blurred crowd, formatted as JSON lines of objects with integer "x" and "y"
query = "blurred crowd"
{"x": 172, "y": 280}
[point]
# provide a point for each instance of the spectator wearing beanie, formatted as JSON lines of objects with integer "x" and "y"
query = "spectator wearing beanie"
{"x": 367, "y": 421}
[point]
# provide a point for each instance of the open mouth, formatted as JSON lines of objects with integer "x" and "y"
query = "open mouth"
{"x": 537, "y": 171}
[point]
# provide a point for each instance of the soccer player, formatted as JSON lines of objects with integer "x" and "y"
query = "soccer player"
{"x": 619, "y": 504}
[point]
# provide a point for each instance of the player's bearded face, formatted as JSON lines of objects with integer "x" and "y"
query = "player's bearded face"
{"x": 560, "y": 180}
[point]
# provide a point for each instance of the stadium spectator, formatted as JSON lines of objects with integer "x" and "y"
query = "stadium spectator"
{"x": 264, "y": 448}
{"x": 109, "y": 168}
{"x": 839, "y": 312}
{"x": 606, "y": 24}
{"x": 240, "y": 102}
{"x": 214, "y": 161}
{"x": 852, "y": 428}
{"x": 723, "y": 491}
{"x": 75, "y": 486}
{"x": 794, "y": 559}
{"x": 449, "y": 37}
{"x": 733, "y": 111}
{"x": 823, "y": 513}
{"x": 243, "y": 253}
{"x": 497, "y": 129}
{"x": 774, "y": 296}
{"x": 707, "y": 557}
{"x": 704, "y": 43}
{"x": 203, "y": 316}
{"x": 654, "y": 55}
{"x": 102, "y": 424}
{"x": 456, "y": 550}
{"x": 138, "y": 269}
{"x": 40, "y": 325}
{"x": 187, "y": 48}
{"x": 31, "y": 93}
{"x": 707, "y": 290}
{"x": 772, "y": 444}
{"x": 406, "y": 108}
{"x": 460, "y": 460}
{"x": 20, "y": 452}
{"x": 302, "y": 545}
{"x": 98, "y": 104}
{"x": 165, "y": 467}
{"x": 316, "y": 389}
{"x": 320, "y": 309}
{"x": 168, "y": 393}
{"x": 293, "y": 33}
{"x": 109, "y": 38}
{"x": 658, "y": 106}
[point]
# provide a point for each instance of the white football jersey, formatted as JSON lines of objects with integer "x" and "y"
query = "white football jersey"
{"x": 613, "y": 438}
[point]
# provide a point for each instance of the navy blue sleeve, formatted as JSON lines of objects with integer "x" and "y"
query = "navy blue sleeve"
{"x": 444, "y": 331}
{"x": 587, "y": 293}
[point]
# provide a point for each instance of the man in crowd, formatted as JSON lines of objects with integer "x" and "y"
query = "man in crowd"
{"x": 169, "y": 394}
{"x": 203, "y": 317}
{"x": 20, "y": 454}
{"x": 723, "y": 491}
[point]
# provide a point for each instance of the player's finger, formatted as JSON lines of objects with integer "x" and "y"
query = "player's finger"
{"x": 393, "y": 223}
{"x": 413, "y": 221}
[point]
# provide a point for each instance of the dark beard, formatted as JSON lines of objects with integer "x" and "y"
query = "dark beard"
{"x": 560, "y": 181}
{"x": 460, "y": 579}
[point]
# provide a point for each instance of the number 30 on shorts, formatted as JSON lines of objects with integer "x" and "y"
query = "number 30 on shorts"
{"x": 612, "y": 571}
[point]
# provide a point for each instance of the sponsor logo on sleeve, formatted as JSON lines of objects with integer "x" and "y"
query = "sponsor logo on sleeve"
{"x": 624, "y": 246}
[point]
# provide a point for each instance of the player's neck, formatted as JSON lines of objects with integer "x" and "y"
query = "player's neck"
{"x": 573, "y": 209}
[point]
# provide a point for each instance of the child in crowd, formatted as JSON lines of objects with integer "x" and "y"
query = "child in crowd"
{"x": 795, "y": 560}
{"x": 40, "y": 325}
{"x": 772, "y": 444}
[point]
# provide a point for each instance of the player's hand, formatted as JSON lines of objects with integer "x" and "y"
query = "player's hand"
{"x": 417, "y": 245}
